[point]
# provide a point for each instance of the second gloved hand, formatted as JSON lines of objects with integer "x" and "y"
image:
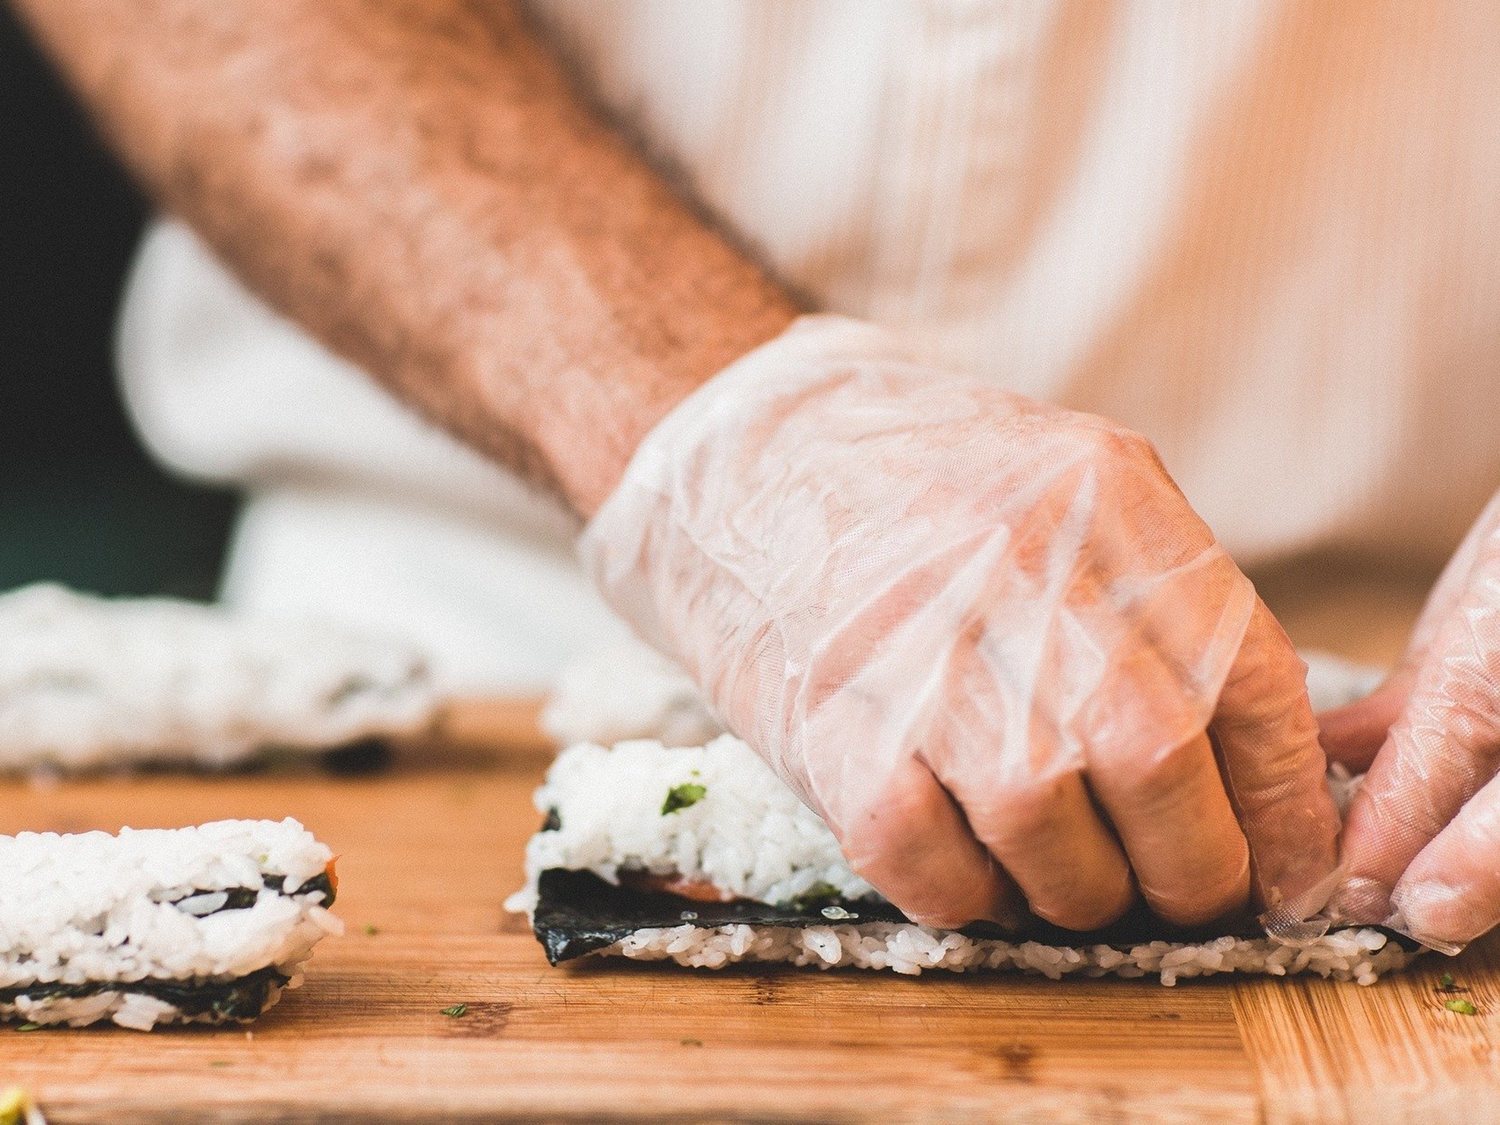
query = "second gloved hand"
{"x": 1422, "y": 845}
{"x": 984, "y": 638}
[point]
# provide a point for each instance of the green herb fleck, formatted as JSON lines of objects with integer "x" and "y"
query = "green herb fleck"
{"x": 456, "y": 1011}
{"x": 692, "y": 1042}
{"x": 30, "y": 1027}
{"x": 218, "y": 1063}
{"x": 1447, "y": 984}
{"x": 683, "y": 796}
{"x": 371, "y": 930}
{"x": 1462, "y": 1007}
{"x": 814, "y": 898}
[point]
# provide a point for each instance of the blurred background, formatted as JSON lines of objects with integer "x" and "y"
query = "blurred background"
{"x": 81, "y": 502}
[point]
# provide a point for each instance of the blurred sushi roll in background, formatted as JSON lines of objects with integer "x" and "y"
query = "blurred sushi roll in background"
{"x": 162, "y": 926}
{"x": 91, "y": 683}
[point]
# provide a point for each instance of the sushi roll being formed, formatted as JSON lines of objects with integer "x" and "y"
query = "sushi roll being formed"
{"x": 188, "y": 925}
{"x": 703, "y": 857}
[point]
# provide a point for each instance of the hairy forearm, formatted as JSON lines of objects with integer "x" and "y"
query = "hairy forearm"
{"x": 418, "y": 186}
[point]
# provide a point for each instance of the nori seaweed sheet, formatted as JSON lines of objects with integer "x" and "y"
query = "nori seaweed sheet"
{"x": 241, "y": 998}
{"x": 579, "y": 913}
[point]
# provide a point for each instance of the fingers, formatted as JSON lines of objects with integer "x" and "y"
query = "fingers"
{"x": 1450, "y": 894}
{"x": 914, "y": 847}
{"x": 1353, "y": 734}
{"x": 1440, "y": 753}
{"x": 1191, "y": 860}
{"x": 1274, "y": 769}
{"x": 1048, "y": 836}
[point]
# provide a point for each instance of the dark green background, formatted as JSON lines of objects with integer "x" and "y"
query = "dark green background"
{"x": 79, "y": 501}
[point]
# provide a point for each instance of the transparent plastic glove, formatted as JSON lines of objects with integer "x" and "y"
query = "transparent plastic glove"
{"x": 982, "y": 637}
{"x": 1422, "y": 842}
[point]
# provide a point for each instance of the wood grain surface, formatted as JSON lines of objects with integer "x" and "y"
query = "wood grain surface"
{"x": 428, "y": 853}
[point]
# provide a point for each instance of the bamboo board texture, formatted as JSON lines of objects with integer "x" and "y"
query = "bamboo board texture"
{"x": 428, "y": 852}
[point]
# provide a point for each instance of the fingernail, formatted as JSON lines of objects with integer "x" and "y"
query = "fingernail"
{"x": 1436, "y": 915}
{"x": 1361, "y": 899}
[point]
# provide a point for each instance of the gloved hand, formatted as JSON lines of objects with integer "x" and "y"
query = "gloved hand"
{"x": 1422, "y": 841}
{"x": 982, "y": 637}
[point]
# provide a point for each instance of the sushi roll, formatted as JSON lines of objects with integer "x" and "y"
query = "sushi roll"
{"x": 703, "y": 857}
{"x": 188, "y": 925}
{"x": 89, "y": 683}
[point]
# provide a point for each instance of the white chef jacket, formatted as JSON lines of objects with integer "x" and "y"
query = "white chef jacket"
{"x": 1264, "y": 233}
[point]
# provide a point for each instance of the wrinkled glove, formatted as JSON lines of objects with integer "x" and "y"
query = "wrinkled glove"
{"x": 1422, "y": 842}
{"x": 982, "y": 637}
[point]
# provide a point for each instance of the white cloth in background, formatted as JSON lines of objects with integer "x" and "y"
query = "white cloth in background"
{"x": 1265, "y": 234}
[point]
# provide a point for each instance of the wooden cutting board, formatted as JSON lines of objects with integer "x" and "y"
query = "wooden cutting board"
{"x": 429, "y": 853}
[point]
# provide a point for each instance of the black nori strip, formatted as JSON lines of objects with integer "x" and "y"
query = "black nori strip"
{"x": 240, "y": 898}
{"x": 579, "y": 913}
{"x": 243, "y": 898}
{"x": 242, "y": 998}
{"x": 319, "y": 882}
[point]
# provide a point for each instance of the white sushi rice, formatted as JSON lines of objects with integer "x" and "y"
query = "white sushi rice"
{"x": 89, "y": 682}
{"x": 748, "y": 835}
{"x": 94, "y": 909}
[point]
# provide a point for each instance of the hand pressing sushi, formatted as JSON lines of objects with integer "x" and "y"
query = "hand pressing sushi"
{"x": 987, "y": 640}
{"x": 1422, "y": 842}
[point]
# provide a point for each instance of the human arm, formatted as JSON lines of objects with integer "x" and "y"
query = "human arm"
{"x": 420, "y": 188}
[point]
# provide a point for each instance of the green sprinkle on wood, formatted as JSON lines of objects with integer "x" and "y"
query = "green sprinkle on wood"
{"x": 1447, "y": 984}
{"x": 456, "y": 1011}
{"x": 683, "y": 796}
{"x": 30, "y": 1027}
{"x": 1462, "y": 1007}
{"x": 371, "y": 930}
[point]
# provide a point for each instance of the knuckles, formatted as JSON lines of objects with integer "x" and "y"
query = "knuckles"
{"x": 1156, "y": 781}
{"x": 1009, "y": 813}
